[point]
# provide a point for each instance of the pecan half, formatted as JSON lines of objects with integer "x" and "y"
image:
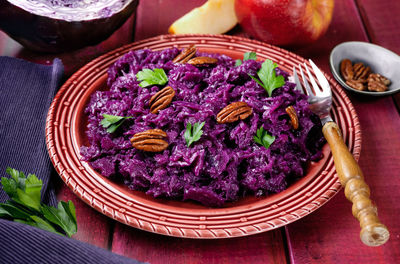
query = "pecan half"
{"x": 202, "y": 61}
{"x": 293, "y": 116}
{"x": 185, "y": 55}
{"x": 161, "y": 99}
{"x": 356, "y": 84}
{"x": 234, "y": 112}
{"x": 346, "y": 69}
{"x": 378, "y": 77}
{"x": 151, "y": 140}
{"x": 376, "y": 86}
{"x": 361, "y": 72}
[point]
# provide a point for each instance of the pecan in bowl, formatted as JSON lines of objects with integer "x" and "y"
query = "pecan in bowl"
{"x": 361, "y": 78}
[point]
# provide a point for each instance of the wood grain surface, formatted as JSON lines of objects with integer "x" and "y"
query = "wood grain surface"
{"x": 266, "y": 247}
{"x": 329, "y": 235}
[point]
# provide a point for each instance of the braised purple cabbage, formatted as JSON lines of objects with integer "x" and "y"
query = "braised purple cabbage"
{"x": 226, "y": 163}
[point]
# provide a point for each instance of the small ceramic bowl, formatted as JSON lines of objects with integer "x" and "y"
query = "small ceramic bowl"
{"x": 381, "y": 60}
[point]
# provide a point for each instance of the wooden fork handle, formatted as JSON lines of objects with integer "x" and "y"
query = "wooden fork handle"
{"x": 373, "y": 232}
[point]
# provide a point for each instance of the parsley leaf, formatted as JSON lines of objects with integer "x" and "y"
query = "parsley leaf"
{"x": 31, "y": 195}
{"x": 21, "y": 189}
{"x": 17, "y": 180}
{"x": 263, "y": 138}
{"x": 9, "y": 186}
{"x": 63, "y": 216}
{"x": 12, "y": 210}
{"x": 112, "y": 122}
{"x": 151, "y": 77}
{"x": 25, "y": 207}
{"x": 3, "y": 212}
{"x": 250, "y": 56}
{"x": 247, "y": 56}
{"x": 193, "y": 134}
{"x": 41, "y": 223}
{"x": 267, "y": 75}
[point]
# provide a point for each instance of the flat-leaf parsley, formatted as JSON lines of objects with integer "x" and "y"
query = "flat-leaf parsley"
{"x": 247, "y": 56}
{"x": 268, "y": 78}
{"x": 193, "y": 134}
{"x": 112, "y": 122}
{"x": 263, "y": 138}
{"x": 25, "y": 206}
{"x": 151, "y": 77}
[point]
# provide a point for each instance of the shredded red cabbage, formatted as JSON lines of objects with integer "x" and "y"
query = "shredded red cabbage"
{"x": 226, "y": 163}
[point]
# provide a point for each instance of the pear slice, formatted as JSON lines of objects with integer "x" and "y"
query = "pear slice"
{"x": 213, "y": 17}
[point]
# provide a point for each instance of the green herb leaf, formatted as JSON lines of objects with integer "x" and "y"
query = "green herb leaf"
{"x": 12, "y": 211}
{"x": 151, "y": 77}
{"x": 72, "y": 212}
{"x": 188, "y": 133}
{"x": 3, "y": 212}
{"x": 21, "y": 189}
{"x": 25, "y": 207}
{"x": 43, "y": 224}
{"x": 31, "y": 195}
{"x": 112, "y": 122}
{"x": 63, "y": 216}
{"x": 267, "y": 75}
{"x": 238, "y": 62}
{"x": 250, "y": 56}
{"x": 263, "y": 138}
{"x": 18, "y": 176}
{"x": 110, "y": 119}
{"x": 38, "y": 222}
{"x": 26, "y": 222}
{"x": 9, "y": 186}
{"x": 27, "y": 199}
{"x": 193, "y": 134}
{"x": 247, "y": 56}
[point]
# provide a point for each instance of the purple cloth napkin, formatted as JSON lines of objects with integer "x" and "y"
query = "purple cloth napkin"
{"x": 26, "y": 91}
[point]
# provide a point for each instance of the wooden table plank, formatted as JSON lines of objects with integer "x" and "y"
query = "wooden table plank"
{"x": 154, "y": 17}
{"x": 331, "y": 235}
{"x": 382, "y": 22}
{"x": 153, "y": 248}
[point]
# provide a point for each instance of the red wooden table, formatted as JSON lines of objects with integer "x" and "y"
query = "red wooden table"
{"x": 329, "y": 235}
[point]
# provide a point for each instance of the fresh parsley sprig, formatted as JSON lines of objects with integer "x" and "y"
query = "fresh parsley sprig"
{"x": 247, "y": 56}
{"x": 268, "y": 78}
{"x": 263, "y": 138}
{"x": 151, "y": 77}
{"x": 25, "y": 206}
{"x": 193, "y": 134}
{"x": 112, "y": 122}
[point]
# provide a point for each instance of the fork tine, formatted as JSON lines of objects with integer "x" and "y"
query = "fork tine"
{"x": 317, "y": 91}
{"x": 326, "y": 90}
{"x": 308, "y": 90}
{"x": 297, "y": 80}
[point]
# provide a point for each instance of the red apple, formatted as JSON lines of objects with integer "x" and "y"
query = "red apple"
{"x": 285, "y": 22}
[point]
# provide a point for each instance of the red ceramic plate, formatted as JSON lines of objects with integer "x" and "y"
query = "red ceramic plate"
{"x": 66, "y": 123}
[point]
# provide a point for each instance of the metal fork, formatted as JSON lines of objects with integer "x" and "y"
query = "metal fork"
{"x": 373, "y": 232}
